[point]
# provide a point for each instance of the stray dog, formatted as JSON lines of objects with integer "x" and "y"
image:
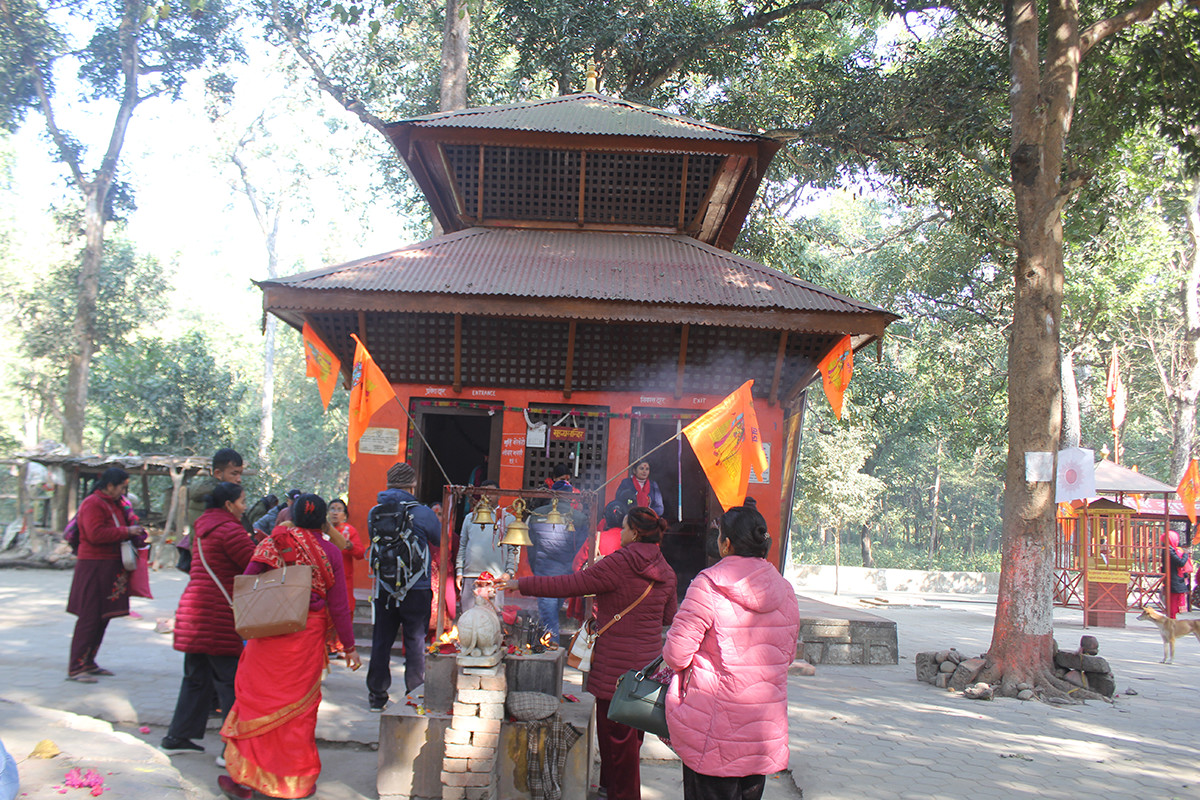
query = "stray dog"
{"x": 1170, "y": 630}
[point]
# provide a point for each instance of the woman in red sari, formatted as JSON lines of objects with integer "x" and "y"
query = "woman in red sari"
{"x": 352, "y": 548}
{"x": 270, "y": 733}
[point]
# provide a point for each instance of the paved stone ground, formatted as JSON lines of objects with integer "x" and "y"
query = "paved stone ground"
{"x": 857, "y": 731}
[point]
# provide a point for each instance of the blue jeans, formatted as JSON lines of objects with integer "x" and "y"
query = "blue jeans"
{"x": 411, "y": 619}
{"x": 548, "y": 608}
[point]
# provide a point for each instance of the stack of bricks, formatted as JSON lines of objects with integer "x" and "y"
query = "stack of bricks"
{"x": 469, "y": 769}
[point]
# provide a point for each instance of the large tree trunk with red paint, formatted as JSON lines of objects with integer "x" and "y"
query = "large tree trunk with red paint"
{"x": 1042, "y": 99}
{"x": 1022, "y": 640}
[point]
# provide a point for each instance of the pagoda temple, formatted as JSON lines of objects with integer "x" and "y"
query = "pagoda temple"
{"x": 581, "y": 305}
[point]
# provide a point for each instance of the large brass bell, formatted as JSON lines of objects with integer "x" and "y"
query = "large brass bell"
{"x": 518, "y": 531}
{"x": 555, "y": 517}
{"x": 483, "y": 513}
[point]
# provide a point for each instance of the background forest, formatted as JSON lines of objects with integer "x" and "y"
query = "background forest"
{"x": 255, "y": 152}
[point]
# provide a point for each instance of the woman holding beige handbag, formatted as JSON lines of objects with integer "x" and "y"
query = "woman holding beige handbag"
{"x": 270, "y": 733}
{"x": 635, "y": 598}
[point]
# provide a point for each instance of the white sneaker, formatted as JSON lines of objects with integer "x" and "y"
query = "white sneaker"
{"x": 221, "y": 761}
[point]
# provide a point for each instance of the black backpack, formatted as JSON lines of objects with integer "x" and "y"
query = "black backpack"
{"x": 399, "y": 555}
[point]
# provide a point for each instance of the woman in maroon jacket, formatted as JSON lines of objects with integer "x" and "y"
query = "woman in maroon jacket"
{"x": 619, "y": 582}
{"x": 100, "y": 585}
{"x": 204, "y": 630}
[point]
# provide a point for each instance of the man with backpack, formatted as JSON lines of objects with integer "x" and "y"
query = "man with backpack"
{"x": 402, "y": 532}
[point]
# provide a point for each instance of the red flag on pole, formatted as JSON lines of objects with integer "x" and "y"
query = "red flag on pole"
{"x": 727, "y": 443}
{"x": 320, "y": 363}
{"x": 1114, "y": 391}
{"x": 1189, "y": 489}
{"x": 836, "y": 369}
{"x": 369, "y": 390}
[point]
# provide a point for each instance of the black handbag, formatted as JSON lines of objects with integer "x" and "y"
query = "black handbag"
{"x": 640, "y": 701}
{"x": 183, "y": 559}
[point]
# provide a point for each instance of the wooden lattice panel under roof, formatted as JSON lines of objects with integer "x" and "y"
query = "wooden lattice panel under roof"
{"x": 506, "y": 353}
{"x": 665, "y": 191}
{"x": 585, "y": 162}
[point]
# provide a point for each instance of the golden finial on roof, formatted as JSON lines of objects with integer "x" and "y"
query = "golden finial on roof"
{"x": 591, "y": 77}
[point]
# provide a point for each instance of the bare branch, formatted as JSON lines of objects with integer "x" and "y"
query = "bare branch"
{"x": 339, "y": 93}
{"x": 1101, "y": 30}
{"x": 65, "y": 151}
{"x": 747, "y": 23}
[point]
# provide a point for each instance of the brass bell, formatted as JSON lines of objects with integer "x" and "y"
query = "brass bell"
{"x": 518, "y": 531}
{"x": 555, "y": 517}
{"x": 483, "y": 513}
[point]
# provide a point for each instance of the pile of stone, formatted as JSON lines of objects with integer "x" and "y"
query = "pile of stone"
{"x": 469, "y": 769}
{"x": 1084, "y": 668}
{"x": 949, "y": 669}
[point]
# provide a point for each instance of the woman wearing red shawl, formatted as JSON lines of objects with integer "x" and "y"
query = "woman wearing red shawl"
{"x": 639, "y": 490}
{"x": 1177, "y": 563}
{"x": 352, "y": 548}
{"x": 270, "y": 733}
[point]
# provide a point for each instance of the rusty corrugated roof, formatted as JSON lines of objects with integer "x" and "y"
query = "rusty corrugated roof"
{"x": 584, "y": 113}
{"x": 538, "y": 264}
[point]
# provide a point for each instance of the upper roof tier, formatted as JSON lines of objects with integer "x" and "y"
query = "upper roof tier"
{"x": 585, "y": 162}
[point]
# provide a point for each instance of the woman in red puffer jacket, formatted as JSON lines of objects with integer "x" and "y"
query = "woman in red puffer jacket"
{"x": 204, "y": 629}
{"x": 633, "y": 641}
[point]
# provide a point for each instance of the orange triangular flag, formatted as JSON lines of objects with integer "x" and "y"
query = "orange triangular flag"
{"x": 369, "y": 390}
{"x": 727, "y": 443}
{"x": 1114, "y": 392}
{"x": 1189, "y": 489}
{"x": 320, "y": 363}
{"x": 836, "y": 369}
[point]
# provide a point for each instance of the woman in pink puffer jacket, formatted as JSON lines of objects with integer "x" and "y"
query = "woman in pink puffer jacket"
{"x": 732, "y": 641}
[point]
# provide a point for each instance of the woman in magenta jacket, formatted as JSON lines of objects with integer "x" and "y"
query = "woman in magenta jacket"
{"x": 204, "y": 630}
{"x": 631, "y": 642}
{"x": 730, "y": 646}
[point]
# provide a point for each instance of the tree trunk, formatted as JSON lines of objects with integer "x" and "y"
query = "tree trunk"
{"x": 935, "y": 501}
{"x": 83, "y": 329}
{"x": 1072, "y": 421}
{"x": 1187, "y": 389}
{"x": 1042, "y": 108}
{"x": 456, "y": 39}
{"x": 864, "y": 538}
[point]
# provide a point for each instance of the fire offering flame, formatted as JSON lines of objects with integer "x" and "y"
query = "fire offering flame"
{"x": 446, "y": 643}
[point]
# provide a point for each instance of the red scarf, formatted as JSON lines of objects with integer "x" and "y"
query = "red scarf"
{"x": 297, "y": 546}
{"x": 643, "y": 492}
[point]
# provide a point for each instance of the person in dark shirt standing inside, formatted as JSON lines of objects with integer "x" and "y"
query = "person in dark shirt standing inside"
{"x": 407, "y": 615}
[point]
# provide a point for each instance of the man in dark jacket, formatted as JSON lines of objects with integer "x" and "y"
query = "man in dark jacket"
{"x": 409, "y": 616}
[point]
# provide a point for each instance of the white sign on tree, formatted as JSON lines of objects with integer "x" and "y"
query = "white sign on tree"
{"x": 1076, "y": 475}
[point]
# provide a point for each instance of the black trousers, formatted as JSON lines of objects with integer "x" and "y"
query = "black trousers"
{"x": 202, "y": 675}
{"x": 709, "y": 787}
{"x": 411, "y": 620}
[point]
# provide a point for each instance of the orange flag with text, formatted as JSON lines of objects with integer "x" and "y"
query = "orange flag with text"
{"x": 1189, "y": 489}
{"x": 727, "y": 443}
{"x": 369, "y": 390}
{"x": 320, "y": 363}
{"x": 836, "y": 370}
